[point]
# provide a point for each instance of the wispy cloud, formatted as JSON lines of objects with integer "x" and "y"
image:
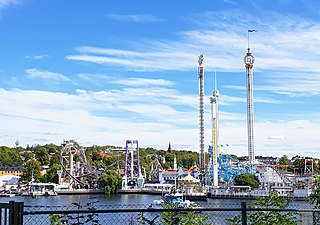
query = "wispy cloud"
{"x": 42, "y": 56}
{"x": 45, "y": 75}
{"x": 5, "y": 3}
{"x": 134, "y": 18}
{"x": 144, "y": 82}
{"x": 230, "y": 2}
{"x": 74, "y": 116}
{"x": 283, "y": 43}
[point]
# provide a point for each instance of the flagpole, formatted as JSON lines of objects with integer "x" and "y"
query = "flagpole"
{"x": 249, "y": 31}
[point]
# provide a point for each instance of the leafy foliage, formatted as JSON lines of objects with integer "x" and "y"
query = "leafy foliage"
{"x": 110, "y": 181}
{"x": 174, "y": 217}
{"x": 31, "y": 167}
{"x": 273, "y": 201}
{"x": 42, "y": 155}
{"x": 9, "y": 156}
{"x": 284, "y": 163}
{"x": 51, "y": 175}
{"x": 77, "y": 219}
{"x": 247, "y": 179}
{"x": 314, "y": 198}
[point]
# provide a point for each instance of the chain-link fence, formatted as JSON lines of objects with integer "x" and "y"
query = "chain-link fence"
{"x": 143, "y": 214}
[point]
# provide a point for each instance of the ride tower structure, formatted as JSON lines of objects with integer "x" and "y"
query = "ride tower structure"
{"x": 201, "y": 114}
{"x": 249, "y": 61}
{"x": 76, "y": 171}
{"x": 215, "y": 134}
{"x": 132, "y": 178}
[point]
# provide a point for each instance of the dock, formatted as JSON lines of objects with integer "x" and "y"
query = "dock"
{"x": 80, "y": 192}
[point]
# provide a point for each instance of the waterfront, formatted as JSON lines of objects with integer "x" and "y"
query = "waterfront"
{"x": 121, "y": 200}
{"x": 127, "y": 208}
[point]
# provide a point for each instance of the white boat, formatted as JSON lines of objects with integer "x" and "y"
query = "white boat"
{"x": 43, "y": 189}
{"x": 177, "y": 200}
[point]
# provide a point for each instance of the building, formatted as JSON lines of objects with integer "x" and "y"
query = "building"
{"x": 267, "y": 160}
{"x": 11, "y": 170}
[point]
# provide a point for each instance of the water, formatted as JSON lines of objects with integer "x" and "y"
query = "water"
{"x": 125, "y": 199}
{"x": 135, "y": 201}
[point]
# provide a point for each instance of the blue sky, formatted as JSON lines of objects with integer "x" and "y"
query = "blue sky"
{"x": 102, "y": 72}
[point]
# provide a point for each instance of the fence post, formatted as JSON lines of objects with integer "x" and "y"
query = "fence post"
{"x": 15, "y": 213}
{"x": 11, "y": 214}
{"x": 244, "y": 213}
{"x": 315, "y": 218}
{"x": 19, "y": 213}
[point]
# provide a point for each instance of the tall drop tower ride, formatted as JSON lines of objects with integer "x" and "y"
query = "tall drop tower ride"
{"x": 248, "y": 61}
{"x": 215, "y": 133}
{"x": 201, "y": 113}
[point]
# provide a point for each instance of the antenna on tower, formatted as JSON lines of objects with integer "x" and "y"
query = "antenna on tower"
{"x": 215, "y": 79}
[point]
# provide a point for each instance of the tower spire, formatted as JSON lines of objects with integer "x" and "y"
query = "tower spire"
{"x": 215, "y": 130}
{"x": 201, "y": 113}
{"x": 248, "y": 61}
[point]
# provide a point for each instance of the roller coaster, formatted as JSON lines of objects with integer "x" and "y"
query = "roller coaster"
{"x": 229, "y": 167}
{"x": 76, "y": 171}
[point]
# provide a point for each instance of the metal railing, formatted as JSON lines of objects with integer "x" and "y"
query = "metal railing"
{"x": 11, "y": 213}
{"x": 15, "y": 213}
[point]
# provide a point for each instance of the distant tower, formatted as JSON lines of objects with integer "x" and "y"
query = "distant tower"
{"x": 215, "y": 133}
{"x": 175, "y": 167}
{"x": 169, "y": 147}
{"x": 248, "y": 61}
{"x": 17, "y": 143}
{"x": 201, "y": 113}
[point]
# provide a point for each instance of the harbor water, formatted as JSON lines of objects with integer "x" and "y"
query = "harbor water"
{"x": 124, "y": 200}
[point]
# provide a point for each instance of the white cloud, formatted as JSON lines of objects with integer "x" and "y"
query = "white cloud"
{"x": 276, "y": 137}
{"x": 58, "y": 116}
{"x": 134, "y": 18}
{"x": 72, "y": 116}
{"x": 42, "y": 56}
{"x": 45, "y": 75}
{"x": 143, "y": 82}
{"x": 284, "y": 44}
{"x": 5, "y": 3}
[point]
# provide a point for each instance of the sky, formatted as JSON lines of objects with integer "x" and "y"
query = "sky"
{"x": 103, "y": 72}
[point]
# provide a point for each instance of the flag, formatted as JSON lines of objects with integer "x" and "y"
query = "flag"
{"x": 252, "y": 31}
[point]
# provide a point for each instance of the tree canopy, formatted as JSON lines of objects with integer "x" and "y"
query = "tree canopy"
{"x": 247, "y": 179}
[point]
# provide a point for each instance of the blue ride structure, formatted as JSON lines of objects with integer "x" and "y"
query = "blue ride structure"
{"x": 229, "y": 167}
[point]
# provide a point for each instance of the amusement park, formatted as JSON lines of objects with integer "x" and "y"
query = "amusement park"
{"x": 206, "y": 172}
{"x": 211, "y": 174}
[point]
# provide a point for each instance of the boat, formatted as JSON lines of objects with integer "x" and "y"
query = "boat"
{"x": 177, "y": 200}
{"x": 43, "y": 189}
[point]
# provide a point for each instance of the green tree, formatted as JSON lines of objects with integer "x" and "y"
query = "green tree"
{"x": 314, "y": 198}
{"x": 110, "y": 181}
{"x": 179, "y": 218}
{"x": 247, "y": 179}
{"x": 77, "y": 218}
{"x": 9, "y": 156}
{"x": 284, "y": 163}
{"x": 54, "y": 159}
{"x": 27, "y": 155}
{"x": 52, "y": 148}
{"x": 31, "y": 167}
{"x": 273, "y": 201}
{"x": 51, "y": 175}
{"x": 42, "y": 155}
